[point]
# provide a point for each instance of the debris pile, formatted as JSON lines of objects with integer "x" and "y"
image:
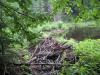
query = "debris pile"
{"x": 48, "y": 56}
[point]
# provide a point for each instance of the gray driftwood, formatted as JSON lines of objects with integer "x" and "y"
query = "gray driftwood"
{"x": 47, "y": 57}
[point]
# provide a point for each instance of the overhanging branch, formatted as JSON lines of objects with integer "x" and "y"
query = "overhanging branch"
{"x": 9, "y": 8}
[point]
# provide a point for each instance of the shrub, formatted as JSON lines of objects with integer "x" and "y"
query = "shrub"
{"x": 88, "y": 52}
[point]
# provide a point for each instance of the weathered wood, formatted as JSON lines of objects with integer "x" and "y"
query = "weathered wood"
{"x": 48, "y": 57}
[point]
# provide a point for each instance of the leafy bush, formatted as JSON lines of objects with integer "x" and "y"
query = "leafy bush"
{"x": 88, "y": 52}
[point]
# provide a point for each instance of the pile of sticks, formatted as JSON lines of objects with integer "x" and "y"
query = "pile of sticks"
{"x": 47, "y": 57}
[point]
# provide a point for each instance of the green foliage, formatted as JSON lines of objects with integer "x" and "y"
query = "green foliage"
{"x": 79, "y": 10}
{"x": 88, "y": 52}
{"x": 16, "y": 23}
{"x": 19, "y": 18}
{"x": 20, "y": 25}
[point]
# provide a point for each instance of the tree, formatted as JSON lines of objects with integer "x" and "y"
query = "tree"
{"x": 16, "y": 23}
{"x": 80, "y": 10}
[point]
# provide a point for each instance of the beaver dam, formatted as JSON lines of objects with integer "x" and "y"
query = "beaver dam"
{"x": 48, "y": 56}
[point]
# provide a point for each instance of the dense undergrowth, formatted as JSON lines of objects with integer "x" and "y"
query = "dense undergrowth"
{"x": 87, "y": 50}
{"x": 24, "y": 23}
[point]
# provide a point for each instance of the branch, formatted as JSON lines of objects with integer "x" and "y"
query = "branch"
{"x": 27, "y": 64}
{"x": 3, "y": 5}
